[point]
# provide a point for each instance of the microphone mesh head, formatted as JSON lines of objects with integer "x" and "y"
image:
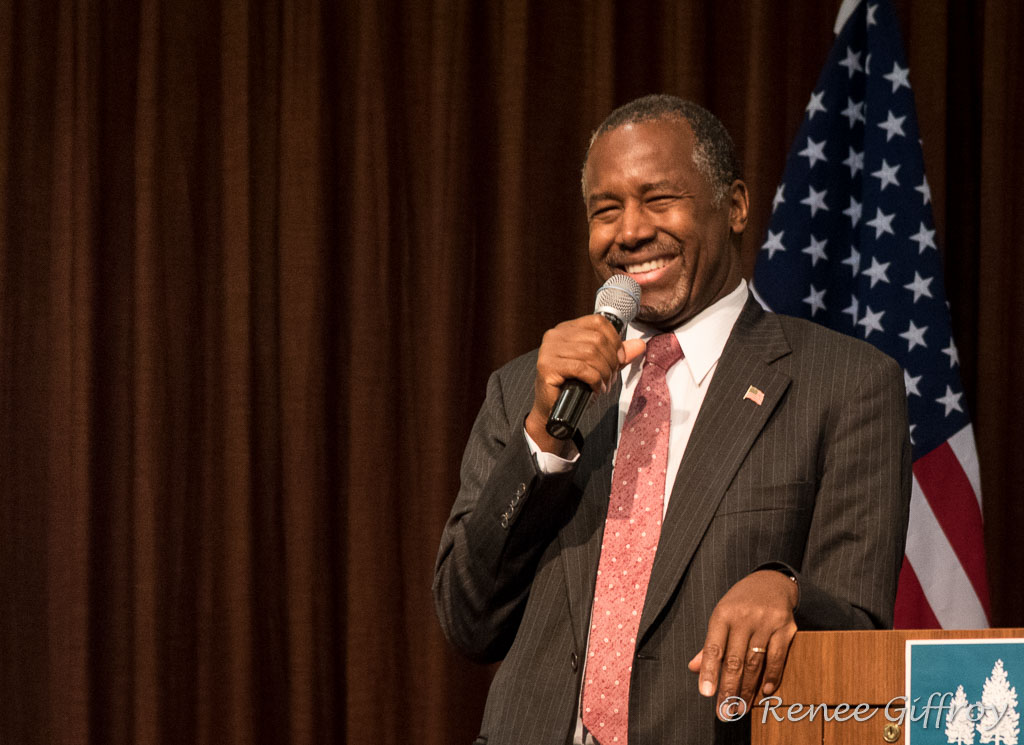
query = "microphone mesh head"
{"x": 620, "y": 296}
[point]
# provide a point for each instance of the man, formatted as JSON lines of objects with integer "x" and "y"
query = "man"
{"x": 772, "y": 491}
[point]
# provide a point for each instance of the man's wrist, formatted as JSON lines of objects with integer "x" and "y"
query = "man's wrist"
{"x": 788, "y": 572}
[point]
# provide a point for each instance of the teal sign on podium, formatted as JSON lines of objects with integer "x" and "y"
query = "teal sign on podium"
{"x": 962, "y": 691}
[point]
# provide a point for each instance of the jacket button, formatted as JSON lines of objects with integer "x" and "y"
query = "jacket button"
{"x": 504, "y": 520}
{"x": 521, "y": 490}
{"x": 574, "y": 661}
{"x": 515, "y": 501}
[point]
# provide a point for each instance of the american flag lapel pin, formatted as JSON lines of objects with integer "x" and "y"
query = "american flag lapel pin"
{"x": 754, "y": 394}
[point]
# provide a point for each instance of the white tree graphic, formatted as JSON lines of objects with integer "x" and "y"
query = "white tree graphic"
{"x": 999, "y": 722}
{"x": 959, "y": 727}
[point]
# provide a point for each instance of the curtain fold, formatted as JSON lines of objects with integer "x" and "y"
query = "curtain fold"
{"x": 257, "y": 260}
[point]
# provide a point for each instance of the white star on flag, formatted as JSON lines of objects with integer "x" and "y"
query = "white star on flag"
{"x": 911, "y": 384}
{"x": 855, "y": 162}
{"x": 882, "y": 223}
{"x": 854, "y": 111}
{"x": 815, "y": 105}
{"x": 814, "y": 152}
{"x": 919, "y": 286}
{"x": 950, "y": 351}
{"x": 852, "y": 62}
{"x": 926, "y": 191}
{"x": 815, "y": 200}
{"x": 816, "y": 250}
{"x": 853, "y": 309}
{"x": 774, "y": 243}
{"x": 898, "y": 77}
{"x": 815, "y": 300}
{"x": 877, "y": 271}
{"x": 871, "y": 321}
{"x": 914, "y": 336}
{"x": 893, "y": 125}
{"x": 853, "y": 211}
{"x": 924, "y": 238}
{"x": 853, "y": 261}
{"x": 886, "y": 175}
{"x": 779, "y": 199}
{"x": 951, "y": 401}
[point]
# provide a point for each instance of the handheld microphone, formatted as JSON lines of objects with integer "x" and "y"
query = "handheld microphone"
{"x": 618, "y": 300}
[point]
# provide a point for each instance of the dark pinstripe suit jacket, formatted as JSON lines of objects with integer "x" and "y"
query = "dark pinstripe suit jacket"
{"x": 817, "y": 477}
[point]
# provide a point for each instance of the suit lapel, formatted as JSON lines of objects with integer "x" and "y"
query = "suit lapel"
{"x": 726, "y": 427}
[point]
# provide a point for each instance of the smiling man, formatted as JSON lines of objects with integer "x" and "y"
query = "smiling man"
{"x": 741, "y": 475}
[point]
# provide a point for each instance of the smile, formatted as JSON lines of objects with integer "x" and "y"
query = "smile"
{"x": 647, "y": 266}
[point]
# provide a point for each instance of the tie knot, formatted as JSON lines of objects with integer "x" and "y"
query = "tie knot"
{"x": 664, "y": 351}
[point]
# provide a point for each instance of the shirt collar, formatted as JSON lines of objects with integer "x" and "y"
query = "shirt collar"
{"x": 703, "y": 337}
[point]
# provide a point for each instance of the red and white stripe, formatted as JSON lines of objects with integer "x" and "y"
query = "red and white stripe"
{"x": 943, "y": 583}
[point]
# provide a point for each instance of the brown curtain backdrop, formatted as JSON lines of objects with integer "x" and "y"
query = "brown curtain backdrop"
{"x": 257, "y": 260}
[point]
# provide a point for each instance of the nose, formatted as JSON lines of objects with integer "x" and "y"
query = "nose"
{"x": 635, "y": 226}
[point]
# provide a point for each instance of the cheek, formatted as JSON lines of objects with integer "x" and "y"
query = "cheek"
{"x": 599, "y": 244}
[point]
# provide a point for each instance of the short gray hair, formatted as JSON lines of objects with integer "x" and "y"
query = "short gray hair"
{"x": 714, "y": 153}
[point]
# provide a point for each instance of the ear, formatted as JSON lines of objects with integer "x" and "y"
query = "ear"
{"x": 739, "y": 206}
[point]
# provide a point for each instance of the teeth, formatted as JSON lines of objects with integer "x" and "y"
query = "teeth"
{"x": 647, "y": 266}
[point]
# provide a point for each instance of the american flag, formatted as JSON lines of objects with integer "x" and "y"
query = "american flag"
{"x": 851, "y": 245}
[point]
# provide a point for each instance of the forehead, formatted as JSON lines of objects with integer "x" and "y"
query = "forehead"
{"x": 657, "y": 150}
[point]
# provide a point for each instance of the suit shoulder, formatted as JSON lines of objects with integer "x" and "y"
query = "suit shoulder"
{"x": 807, "y": 337}
{"x": 512, "y": 383}
{"x": 527, "y": 361}
{"x": 518, "y": 371}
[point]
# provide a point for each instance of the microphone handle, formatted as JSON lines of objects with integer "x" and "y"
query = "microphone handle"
{"x": 572, "y": 401}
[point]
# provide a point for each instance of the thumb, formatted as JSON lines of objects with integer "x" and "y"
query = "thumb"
{"x": 630, "y": 350}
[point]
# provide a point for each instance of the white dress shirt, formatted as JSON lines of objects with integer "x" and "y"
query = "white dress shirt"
{"x": 702, "y": 340}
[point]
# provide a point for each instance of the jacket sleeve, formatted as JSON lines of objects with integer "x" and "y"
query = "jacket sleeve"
{"x": 855, "y": 544}
{"x": 504, "y": 517}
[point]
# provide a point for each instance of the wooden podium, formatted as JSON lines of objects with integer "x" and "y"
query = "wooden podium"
{"x": 845, "y": 667}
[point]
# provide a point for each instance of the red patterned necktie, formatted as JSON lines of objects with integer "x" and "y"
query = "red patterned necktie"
{"x": 631, "y": 533}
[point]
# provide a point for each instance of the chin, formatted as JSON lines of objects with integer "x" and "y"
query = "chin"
{"x": 655, "y": 318}
{"x": 659, "y": 315}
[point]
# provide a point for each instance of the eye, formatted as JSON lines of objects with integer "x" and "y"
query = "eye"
{"x": 604, "y": 211}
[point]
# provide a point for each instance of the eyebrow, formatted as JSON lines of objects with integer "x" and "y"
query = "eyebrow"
{"x": 658, "y": 185}
{"x": 644, "y": 189}
{"x": 600, "y": 197}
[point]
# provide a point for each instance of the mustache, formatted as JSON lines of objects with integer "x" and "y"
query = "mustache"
{"x": 656, "y": 248}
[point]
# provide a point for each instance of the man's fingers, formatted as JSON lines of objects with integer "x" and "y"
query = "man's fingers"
{"x": 594, "y": 372}
{"x": 733, "y": 665}
{"x": 775, "y": 659}
{"x": 711, "y": 656}
{"x": 572, "y": 348}
{"x": 587, "y": 344}
{"x": 753, "y": 664}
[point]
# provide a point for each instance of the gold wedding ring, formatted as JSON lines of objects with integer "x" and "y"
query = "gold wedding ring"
{"x": 758, "y": 650}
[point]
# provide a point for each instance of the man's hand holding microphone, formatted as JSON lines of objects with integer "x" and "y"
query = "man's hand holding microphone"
{"x": 581, "y": 357}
